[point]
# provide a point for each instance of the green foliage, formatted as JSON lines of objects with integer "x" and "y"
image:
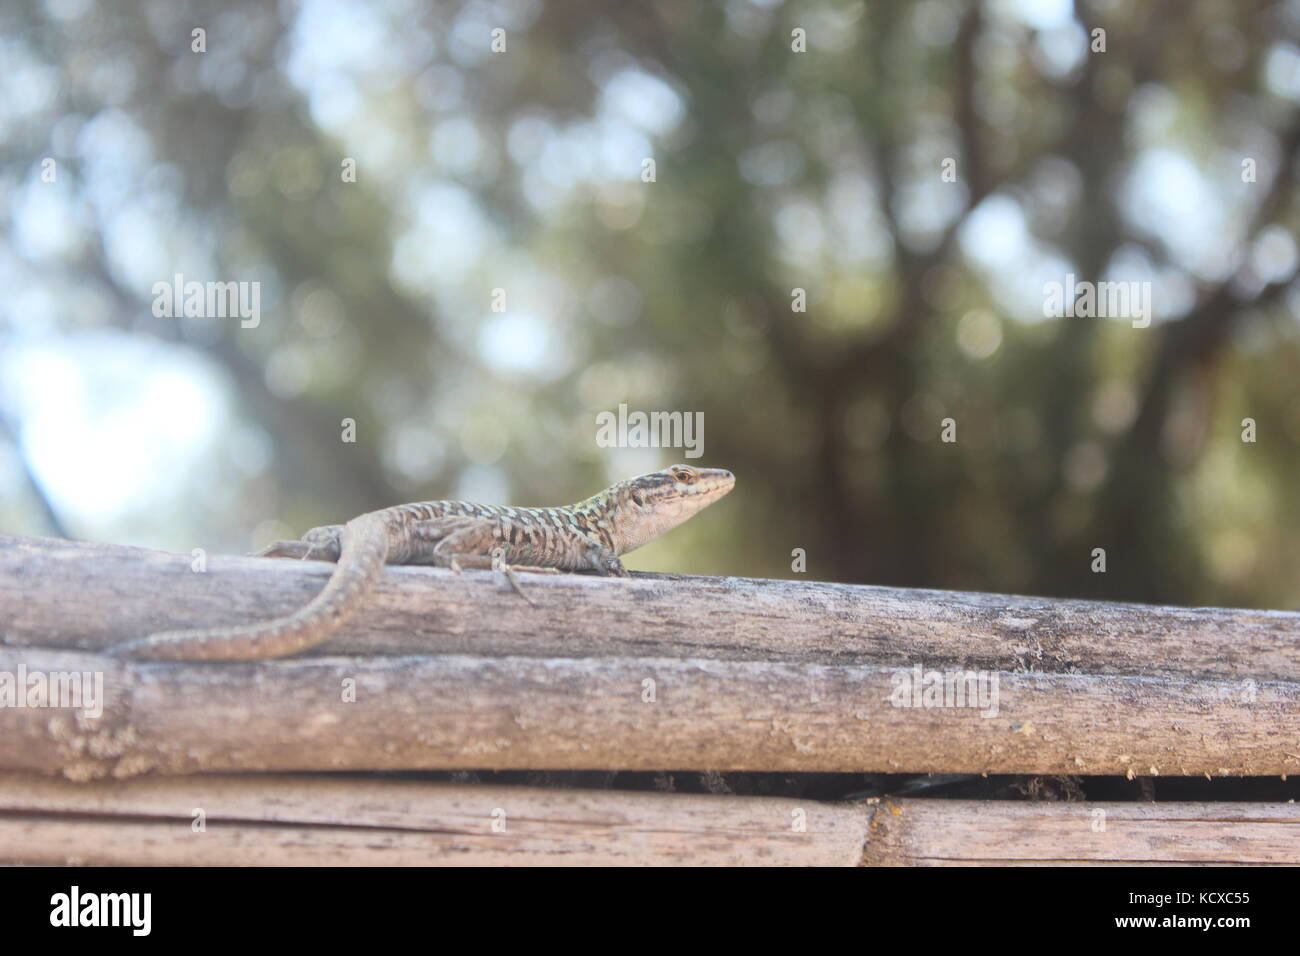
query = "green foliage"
{"x": 775, "y": 170}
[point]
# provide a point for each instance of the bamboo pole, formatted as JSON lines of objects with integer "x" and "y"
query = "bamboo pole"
{"x": 653, "y": 673}
{"x": 305, "y": 821}
{"x": 89, "y": 596}
{"x": 462, "y": 712}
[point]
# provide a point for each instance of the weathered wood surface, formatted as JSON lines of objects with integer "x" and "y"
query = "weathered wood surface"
{"x": 464, "y": 712}
{"x": 982, "y": 833}
{"x": 86, "y": 596}
{"x": 306, "y": 821}
{"x": 652, "y": 673}
{"x": 295, "y": 820}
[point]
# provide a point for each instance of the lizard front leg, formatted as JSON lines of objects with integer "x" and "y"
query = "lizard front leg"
{"x": 604, "y": 561}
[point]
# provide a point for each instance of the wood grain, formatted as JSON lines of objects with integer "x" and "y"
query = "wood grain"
{"x": 85, "y": 596}
{"x": 984, "y": 833}
{"x": 464, "y": 712}
{"x": 303, "y": 821}
{"x": 656, "y": 673}
{"x": 281, "y": 820}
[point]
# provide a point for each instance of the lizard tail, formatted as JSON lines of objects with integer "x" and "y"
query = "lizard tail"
{"x": 363, "y": 553}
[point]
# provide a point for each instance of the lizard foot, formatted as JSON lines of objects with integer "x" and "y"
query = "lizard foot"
{"x": 283, "y": 549}
{"x": 323, "y": 543}
{"x": 496, "y": 562}
{"x": 499, "y": 564}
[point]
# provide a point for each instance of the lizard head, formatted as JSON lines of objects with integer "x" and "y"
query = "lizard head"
{"x": 652, "y": 504}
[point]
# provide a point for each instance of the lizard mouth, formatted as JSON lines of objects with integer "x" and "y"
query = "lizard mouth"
{"x": 720, "y": 483}
{"x": 712, "y": 484}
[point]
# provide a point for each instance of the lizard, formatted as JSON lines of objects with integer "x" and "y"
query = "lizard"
{"x": 588, "y": 536}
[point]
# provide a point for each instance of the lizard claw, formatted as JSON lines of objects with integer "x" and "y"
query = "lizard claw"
{"x": 499, "y": 564}
{"x": 514, "y": 583}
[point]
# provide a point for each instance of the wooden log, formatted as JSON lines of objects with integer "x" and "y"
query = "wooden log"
{"x": 465, "y": 712}
{"x": 305, "y": 821}
{"x": 84, "y": 596}
{"x": 298, "y": 820}
{"x": 996, "y": 833}
{"x": 652, "y": 673}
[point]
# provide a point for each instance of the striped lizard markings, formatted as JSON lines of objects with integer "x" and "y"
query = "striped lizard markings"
{"x": 587, "y": 536}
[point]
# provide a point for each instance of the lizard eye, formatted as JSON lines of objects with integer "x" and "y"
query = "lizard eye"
{"x": 681, "y": 474}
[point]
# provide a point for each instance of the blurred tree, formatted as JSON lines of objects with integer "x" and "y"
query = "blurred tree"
{"x": 1112, "y": 156}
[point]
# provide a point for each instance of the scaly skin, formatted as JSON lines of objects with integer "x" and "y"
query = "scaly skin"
{"x": 587, "y": 536}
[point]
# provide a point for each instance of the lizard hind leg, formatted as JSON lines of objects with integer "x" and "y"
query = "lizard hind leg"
{"x": 280, "y": 549}
{"x": 460, "y": 542}
{"x": 285, "y": 549}
{"x": 323, "y": 544}
{"x": 437, "y": 541}
{"x": 496, "y": 562}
